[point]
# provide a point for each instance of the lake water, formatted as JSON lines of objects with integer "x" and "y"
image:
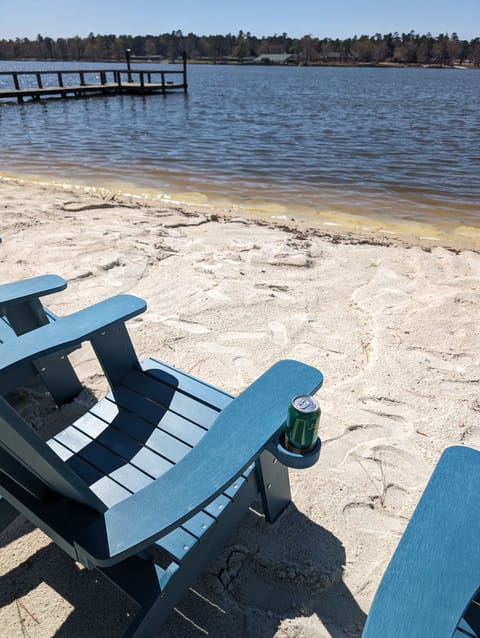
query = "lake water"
{"x": 389, "y": 144}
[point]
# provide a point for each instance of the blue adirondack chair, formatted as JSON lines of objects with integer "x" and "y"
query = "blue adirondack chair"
{"x": 431, "y": 586}
{"x": 22, "y": 311}
{"x": 151, "y": 482}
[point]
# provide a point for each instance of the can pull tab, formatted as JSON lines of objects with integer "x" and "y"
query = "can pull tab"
{"x": 305, "y": 403}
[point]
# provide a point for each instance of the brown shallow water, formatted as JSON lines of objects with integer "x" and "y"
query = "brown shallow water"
{"x": 337, "y": 221}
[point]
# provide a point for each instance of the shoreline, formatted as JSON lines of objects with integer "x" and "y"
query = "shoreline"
{"x": 337, "y": 227}
{"x": 241, "y": 62}
{"x": 392, "y": 325}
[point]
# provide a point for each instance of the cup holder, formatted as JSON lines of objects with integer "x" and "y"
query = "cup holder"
{"x": 294, "y": 460}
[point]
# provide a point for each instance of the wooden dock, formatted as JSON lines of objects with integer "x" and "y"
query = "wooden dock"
{"x": 89, "y": 82}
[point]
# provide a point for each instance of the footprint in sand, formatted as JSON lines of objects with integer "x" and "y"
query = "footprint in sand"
{"x": 366, "y": 517}
{"x": 246, "y": 367}
{"x": 242, "y": 336}
{"x": 189, "y": 326}
{"x": 388, "y": 464}
{"x": 373, "y": 519}
{"x": 218, "y": 294}
{"x": 279, "y": 333}
{"x": 460, "y": 387}
{"x": 347, "y": 444}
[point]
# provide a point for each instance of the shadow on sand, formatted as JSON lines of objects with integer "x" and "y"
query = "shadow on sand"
{"x": 265, "y": 576}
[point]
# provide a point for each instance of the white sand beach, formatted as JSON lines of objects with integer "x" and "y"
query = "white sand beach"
{"x": 392, "y": 322}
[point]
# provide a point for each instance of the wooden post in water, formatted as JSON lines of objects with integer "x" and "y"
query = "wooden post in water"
{"x": 127, "y": 55}
{"x": 60, "y": 83}
{"x": 185, "y": 86}
{"x": 16, "y": 84}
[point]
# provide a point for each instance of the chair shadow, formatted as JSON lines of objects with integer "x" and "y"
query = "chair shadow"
{"x": 35, "y": 404}
{"x": 257, "y": 583}
{"x": 269, "y": 574}
{"x": 98, "y": 608}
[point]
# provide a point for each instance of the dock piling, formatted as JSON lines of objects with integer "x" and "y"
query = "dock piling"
{"x": 184, "y": 72}
{"x": 127, "y": 55}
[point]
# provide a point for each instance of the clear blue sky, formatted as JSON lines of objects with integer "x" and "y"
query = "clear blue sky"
{"x": 321, "y": 18}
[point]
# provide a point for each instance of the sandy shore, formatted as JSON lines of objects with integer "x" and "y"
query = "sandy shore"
{"x": 392, "y": 325}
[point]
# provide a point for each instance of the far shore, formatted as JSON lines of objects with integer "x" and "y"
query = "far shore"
{"x": 242, "y": 62}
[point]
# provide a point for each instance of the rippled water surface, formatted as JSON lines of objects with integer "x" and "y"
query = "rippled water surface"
{"x": 392, "y": 143}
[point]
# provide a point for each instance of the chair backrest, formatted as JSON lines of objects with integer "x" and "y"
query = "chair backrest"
{"x": 27, "y": 460}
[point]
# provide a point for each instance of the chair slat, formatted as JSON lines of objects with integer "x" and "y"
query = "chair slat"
{"x": 109, "y": 491}
{"x": 85, "y": 471}
{"x": 216, "y": 507}
{"x": 190, "y": 385}
{"x": 131, "y": 477}
{"x": 151, "y": 462}
{"x": 97, "y": 455}
{"x": 139, "y": 428}
{"x": 177, "y": 543}
{"x": 170, "y": 398}
{"x": 199, "y": 524}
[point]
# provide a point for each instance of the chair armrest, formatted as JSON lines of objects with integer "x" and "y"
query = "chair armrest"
{"x": 70, "y": 330}
{"x": 236, "y": 438}
{"x": 35, "y": 287}
{"x": 434, "y": 572}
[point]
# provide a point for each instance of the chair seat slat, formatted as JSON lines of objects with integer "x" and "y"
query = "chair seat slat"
{"x": 212, "y": 396}
{"x": 170, "y": 398}
{"x": 85, "y": 470}
{"x": 109, "y": 491}
{"x": 138, "y": 427}
{"x": 177, "y": 543}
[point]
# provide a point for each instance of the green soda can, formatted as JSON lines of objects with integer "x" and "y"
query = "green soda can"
{"x": 301, "y": 429}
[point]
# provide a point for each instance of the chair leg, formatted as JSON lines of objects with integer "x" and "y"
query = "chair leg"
{"x": 55, "y": 370}
{"x": 273, "y": 485}
{"x": 151, "y": 618}
{"x": 158, "y": 592}
{"x": 59, "y": 377}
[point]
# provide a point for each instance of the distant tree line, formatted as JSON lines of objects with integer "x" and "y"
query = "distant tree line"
{"x": 405, "y": 48}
